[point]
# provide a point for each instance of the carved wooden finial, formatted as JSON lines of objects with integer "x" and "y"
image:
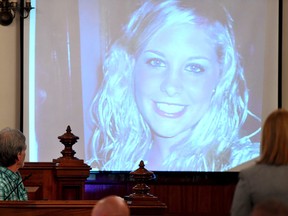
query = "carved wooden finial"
{"x": 141, "y": 174}
{"x": 68, "y": 139}
{"x": 141, "y": 165}
{"x": 141, "y": 195}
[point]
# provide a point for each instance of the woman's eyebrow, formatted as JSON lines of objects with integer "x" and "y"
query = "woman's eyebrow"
{"x": 196, "y": 57}
{"x": 199, "y": 58}
{"x": 154, "y": 52}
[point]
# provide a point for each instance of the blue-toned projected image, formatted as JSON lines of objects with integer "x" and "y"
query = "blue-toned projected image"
{"x": 177, "y": 84}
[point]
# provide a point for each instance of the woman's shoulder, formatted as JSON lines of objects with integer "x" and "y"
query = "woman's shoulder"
{"x": 263, "y": 169}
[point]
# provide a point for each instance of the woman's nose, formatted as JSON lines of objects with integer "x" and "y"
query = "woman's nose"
{"x": 171, "y": 84}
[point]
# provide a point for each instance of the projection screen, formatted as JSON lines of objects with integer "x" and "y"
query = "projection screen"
{"x": 181, "y": 85}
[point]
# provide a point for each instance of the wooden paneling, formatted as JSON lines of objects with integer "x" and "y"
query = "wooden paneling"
{"x": 43, "y": 177}
{"x": 197, "y": 194}
{"x": 64, "y": 208}
{"x": 184, "y": 193}
{"x": 47, "y": 208}
{"x": 56, "y": 181}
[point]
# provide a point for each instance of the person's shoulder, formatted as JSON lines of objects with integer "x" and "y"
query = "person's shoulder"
{"x": 258, "y": 169}
{"x": 3, "y": 169}
{"x": 251, "y": 171}
{"x": 3, "y": 176}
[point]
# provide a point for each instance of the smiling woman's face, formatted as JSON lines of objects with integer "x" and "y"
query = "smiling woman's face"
{"x": 175, "y": 75}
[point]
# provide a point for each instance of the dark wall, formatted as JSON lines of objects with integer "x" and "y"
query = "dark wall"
{"x": 184, "y": 193}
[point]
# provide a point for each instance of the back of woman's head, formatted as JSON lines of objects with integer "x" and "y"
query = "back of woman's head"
{"x": 274, "y": 143}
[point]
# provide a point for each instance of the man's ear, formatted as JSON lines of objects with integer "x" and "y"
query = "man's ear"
{"x": 18, "y": 156}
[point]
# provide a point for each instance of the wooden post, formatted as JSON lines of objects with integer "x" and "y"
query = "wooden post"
{"x": 71, "y": 172}
{"x": 141, "y": 195}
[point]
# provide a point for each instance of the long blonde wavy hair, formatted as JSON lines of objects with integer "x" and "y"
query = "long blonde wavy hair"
{"x": 122, "y": 138}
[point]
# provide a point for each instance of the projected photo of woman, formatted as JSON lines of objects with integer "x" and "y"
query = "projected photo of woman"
{"x": 174, "y": 93}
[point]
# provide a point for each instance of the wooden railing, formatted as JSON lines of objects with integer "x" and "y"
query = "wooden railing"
{"x": 64, "y": 208}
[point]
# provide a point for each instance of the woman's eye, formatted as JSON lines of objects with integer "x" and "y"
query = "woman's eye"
{"x": 155, "y": 62}
{"x": 195, "y": 68}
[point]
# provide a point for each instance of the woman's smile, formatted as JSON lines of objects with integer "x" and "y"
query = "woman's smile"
{"x": 169, "y": 110}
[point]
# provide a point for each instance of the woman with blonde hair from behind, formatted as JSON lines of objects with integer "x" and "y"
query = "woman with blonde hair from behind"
{"x": 268, "y": 178}
{"x": 111, "y": 206}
